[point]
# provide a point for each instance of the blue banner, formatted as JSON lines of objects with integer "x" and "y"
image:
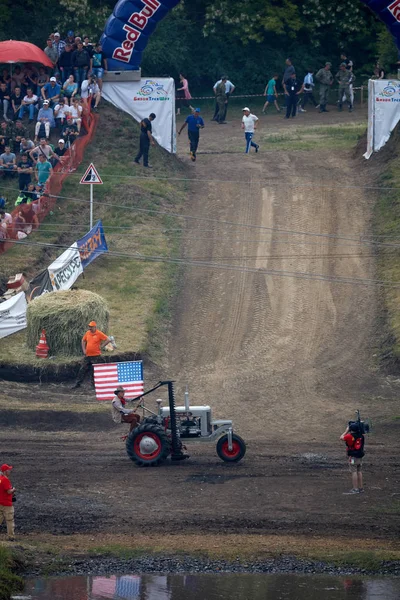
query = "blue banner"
{"x": 389, "y": 12}
{"x": 92, "y": 244}
{"x": 128, "y": 29}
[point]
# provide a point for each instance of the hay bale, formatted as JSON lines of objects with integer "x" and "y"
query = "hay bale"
{"x": 65, "y": 317}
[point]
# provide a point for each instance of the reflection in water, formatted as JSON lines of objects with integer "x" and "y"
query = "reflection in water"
{"x": 224, "y": 586}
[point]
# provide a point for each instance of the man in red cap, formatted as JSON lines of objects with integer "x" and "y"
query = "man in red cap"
{"x": 93, "y": 342}
{"x": 6, "y": 500}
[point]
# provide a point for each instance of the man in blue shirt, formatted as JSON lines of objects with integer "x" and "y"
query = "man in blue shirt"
{"x": 194, "y": 123}
{"x": 51, "y": 91}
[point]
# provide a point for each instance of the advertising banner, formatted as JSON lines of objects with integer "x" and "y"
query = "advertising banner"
{"x": 92, "y": 244}
{"x": 383, "y": 112}
{"x": 140, "y": 98}
{"x": 41, "y": 284}
{"x": 65, "y": 270}
{"x": 13, "y": 315}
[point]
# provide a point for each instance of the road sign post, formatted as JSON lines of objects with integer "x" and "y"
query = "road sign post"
{"x": 91, "y": 177}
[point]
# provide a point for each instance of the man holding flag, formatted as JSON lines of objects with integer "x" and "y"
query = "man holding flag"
{"x": 93, "y": 342}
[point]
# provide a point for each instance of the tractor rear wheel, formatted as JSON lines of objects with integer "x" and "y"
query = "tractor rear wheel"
{"x": 238, "y": 448}
{"x": 148, "y": 445}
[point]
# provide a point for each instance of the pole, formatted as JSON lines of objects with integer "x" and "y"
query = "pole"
{"x": 91, "y": 206}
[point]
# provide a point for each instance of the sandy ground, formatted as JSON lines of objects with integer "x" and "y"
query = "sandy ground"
{"x": 288, "y": 359}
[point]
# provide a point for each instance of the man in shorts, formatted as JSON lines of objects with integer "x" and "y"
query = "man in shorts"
{"x": 354, "y": 440}
{"x": 271, "y": 94}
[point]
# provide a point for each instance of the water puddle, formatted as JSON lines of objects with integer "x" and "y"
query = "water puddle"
{"x": 224, "y": 586}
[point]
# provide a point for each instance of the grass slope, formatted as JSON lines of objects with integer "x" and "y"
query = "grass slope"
{"x": 137, "y": 291}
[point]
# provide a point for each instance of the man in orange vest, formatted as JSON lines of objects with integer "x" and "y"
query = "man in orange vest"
{"x": 93, "y": 342}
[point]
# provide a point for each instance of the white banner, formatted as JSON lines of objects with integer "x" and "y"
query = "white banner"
{"x": 140, "y": 98}
{"x": 13, "y": 315}
{"x": 383, "y": 112}
{"x": 65, "y": 270}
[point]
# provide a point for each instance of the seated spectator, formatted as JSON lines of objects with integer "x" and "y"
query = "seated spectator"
{"x": 16, "y": 102}
{"x": 70, "y": 131}
{"x": 18, "y": 79}
{"x": 76, "y": 110}
{"x": 19, "y": 132}
{"x": 5, "y": 219}
{"x": 51, "y": 91}
{"x": 70, "y": 89}
{"x": 45, "y": 120}
{"x": 24, "y": 172}
{"x": 99, "y": 64}
{"x": 58, "y": 44}
{"x": 65, "y": 63}
{"x": 90, "y": 92}
{"x": 31, "y": 194}
{"x": 31, "y": 75}
{"x": 8, "y": 162}
{"x": 43, "y": 149}
{"x": 43, "y": 170}
{"x": 61, "y": 110}
{"x": 5, "y": 135}
{"x": 51, "y": 53}
{"x": 26, "y": 145}
{"x": 6, "y": 78}
{"x": 42, "y": 79}
{"x": 5, "y": 98}
{"x": 29, "y": 104}
{"x": 81, "y": 63}
{"x": 61, "y": 149}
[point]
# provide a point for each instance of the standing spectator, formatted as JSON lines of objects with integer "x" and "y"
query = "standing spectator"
{"x": 43, "y": 149}
{"x": 8, "y": 162}
{"x": 288, "y": 72}
{"x": 58, "y": 44}
{"x": 6, "y": 500}
{"x": 146, "y": 138}
{"x": 308, "y": 89}
{"x": 70, "y": 39}
{"x": 90, "y": 92}
{"x": 325, "y": 79}
{"x": 5, "y": 135}
{"x": 99, "y": 64}
{"x": 16, "y": 101}
{"x": 344, "y": 78}
{"x": 92, "y": 343}
{"x": 271, "y": 93}
{"x": 42, "y": 79}
{"x": 51, "y": 91}
{"x": 24, "y": 172}
{"x": 88, "y": 45}
{"x": 293, "y": 89}
{"x": 61, "y": 149}
{"x": 76, "y": 110}
{"x": 349, "y": 67}
{"x": 45, "y": 120}
{"x": 379, "y": 72}
{"x": 70, "y": 89}
{"x": 249, "y": 125}
{"x": 43, "y": 170}
{"x": 354, "y": 441}
{"x": 229, "y": 89}
{"x": 69, "y": 131}
{"x": 65, "y": 63}
{"x": 184, "y": 96}
{"x": 29, "y": 104}
{"x": 194, "y": 124}
{"x": 61, "y": 110}
{"x": 51, "y": 53}
{"x": 5, "y": 98}
{"x": 80, "y": 63}
{"x": 222, "y": 101}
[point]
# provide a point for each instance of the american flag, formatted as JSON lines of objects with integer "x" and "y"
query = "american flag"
{"x": 107, "y": 377}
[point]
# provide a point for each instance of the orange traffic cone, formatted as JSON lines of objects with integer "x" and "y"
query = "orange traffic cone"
{"x": 42, "y": 349}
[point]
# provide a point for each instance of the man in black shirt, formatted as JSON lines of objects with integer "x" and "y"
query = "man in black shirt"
{"x": 292, "y": 90}
{"x": 145, "y": 140}
{"x": 24, "y": 172}
{"x": 69, "y": 131}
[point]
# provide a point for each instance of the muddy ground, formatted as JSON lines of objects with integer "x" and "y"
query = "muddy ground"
{"x": 288, "y": 359}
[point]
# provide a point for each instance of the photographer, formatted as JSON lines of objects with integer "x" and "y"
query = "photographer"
{"x": 354, "y": 439}
{"x": 6, "y": 500}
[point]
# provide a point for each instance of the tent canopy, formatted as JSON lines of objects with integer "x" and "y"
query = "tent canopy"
{"x": 24, "y": 52}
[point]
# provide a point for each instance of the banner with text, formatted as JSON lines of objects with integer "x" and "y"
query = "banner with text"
{"x": 92, "y": 244}
{"x": 383, "y": 112}
{"x": 140, "y": 98}
{"x": 65, "y": 270}
{"x": 13, "y": 315}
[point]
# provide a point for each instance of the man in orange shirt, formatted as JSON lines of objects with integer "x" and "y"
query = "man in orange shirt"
{"x": 6, "y": 500}
{"x": 92, "y": 343}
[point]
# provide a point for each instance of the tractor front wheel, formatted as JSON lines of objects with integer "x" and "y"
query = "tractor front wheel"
{"x": 148, "y": 445}
{"x": 238, "y": 448}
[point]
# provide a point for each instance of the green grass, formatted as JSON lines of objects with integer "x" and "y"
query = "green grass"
{"x": 10, "y": 583}
{"x": 334, "y": 137}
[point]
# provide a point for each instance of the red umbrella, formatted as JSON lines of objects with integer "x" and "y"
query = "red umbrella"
{"x": 22, "y": 52}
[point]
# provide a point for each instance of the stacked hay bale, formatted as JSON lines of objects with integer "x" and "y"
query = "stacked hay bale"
{"x": 65, "y": 317}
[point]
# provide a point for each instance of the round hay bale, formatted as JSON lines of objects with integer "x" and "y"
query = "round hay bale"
{"x": 65, "y": 317}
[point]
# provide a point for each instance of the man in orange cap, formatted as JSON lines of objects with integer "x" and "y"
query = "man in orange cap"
{"x": 92, "y": 343}
{"x": 6, "y": 500}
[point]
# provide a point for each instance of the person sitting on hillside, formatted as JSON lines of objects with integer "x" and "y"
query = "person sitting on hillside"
{"x": 32, "y": 194}
{"x": 70, "y": 89}
{"x": 51, "y": 91}
{"x": 5, "y": 219}
{"x": 16, "y": 102}
{"x": 19, "y": 132}
{"x": 61, "y": 110}
{"x": 18, "y": 79}
{"x": 69, "y": 131}
{"x": 41, "y": 81}
{"x": 29, "y": 105}
{"x": 76, "y": 111}
{"x": 5, "y": 99}
{"x": 61, "y": 149}
{"x": 26, "y": 145}
{"x": 45, "y": 120}
{"x": 8, "y": 162}
{"x": 43, "y": 170}
{"x": 90, "y": 92}
{"x": 24, "y": 172}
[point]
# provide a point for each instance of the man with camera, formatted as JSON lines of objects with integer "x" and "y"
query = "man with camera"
{"x": 354, "y": 439}
{"x": 6, "y": 500}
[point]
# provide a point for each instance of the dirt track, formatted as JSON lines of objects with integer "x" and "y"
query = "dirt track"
{"x": 288, "y": 359}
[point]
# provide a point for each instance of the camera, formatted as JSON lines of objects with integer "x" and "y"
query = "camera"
{"x": 359, "y": 426}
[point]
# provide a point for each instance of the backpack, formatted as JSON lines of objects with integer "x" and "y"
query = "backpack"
{"x": 357, "y": 447}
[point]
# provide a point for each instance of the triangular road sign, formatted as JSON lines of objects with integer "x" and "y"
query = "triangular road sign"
{"x": 91, "y": 175}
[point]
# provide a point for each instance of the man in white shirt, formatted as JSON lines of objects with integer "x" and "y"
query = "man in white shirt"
{"x": 229, "y": 89}
{"x": 249, "y": 124}
{"x": 90, "y": 91}
{"x": 5, "y": 219}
